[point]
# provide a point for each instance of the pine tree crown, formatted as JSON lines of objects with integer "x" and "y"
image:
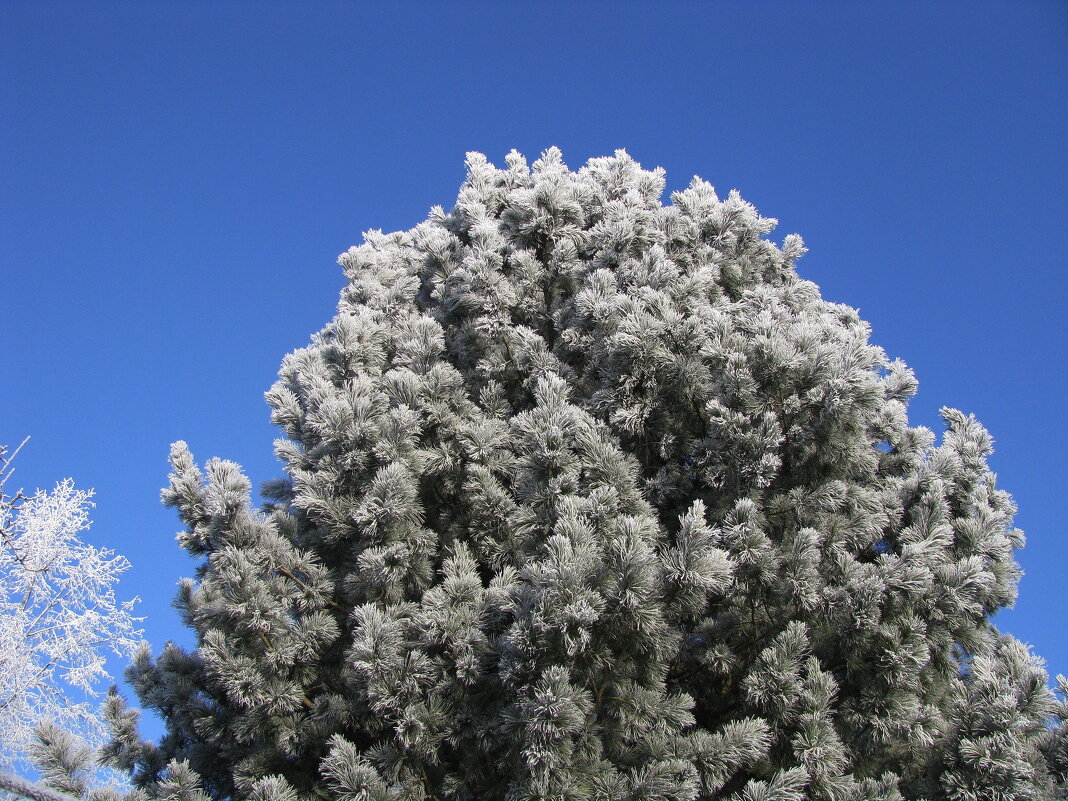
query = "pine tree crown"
{"x": 591, "y": 497}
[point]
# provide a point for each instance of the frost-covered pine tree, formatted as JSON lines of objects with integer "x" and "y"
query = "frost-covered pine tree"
{"x": 589, "y": 497}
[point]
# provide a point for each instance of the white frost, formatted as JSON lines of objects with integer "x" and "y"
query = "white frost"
{"x": 59, "y": 617}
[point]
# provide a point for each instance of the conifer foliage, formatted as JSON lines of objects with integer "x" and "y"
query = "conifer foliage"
{"x": 591, "y": 497}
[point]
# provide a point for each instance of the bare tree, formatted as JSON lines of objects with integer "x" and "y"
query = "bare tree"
{"x": 59, "y": 617}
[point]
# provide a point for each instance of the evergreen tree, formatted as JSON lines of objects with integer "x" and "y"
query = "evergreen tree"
{"x": 589, "y": 497}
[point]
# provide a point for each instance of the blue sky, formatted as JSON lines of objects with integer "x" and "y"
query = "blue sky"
{"x": 178, "y": 178}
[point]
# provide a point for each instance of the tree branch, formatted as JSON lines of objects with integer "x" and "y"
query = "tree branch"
{"x": 28, "y": 789}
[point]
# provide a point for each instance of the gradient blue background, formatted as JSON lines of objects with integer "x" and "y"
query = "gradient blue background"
{"x": 177, "y": 179}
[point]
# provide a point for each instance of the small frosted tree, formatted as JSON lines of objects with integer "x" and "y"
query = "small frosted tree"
{"x": 59, "y": 620}
{"x": 589, "y": 497}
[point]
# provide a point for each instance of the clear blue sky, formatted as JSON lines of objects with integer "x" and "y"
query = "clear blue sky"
{"x": 178, "y": 178}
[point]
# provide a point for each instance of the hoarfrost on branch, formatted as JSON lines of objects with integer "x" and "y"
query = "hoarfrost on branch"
{"x": 59, "y": 617}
